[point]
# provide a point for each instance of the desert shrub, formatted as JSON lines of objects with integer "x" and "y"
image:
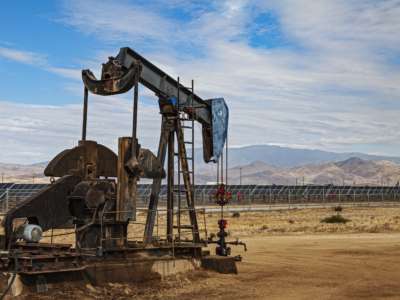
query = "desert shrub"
{"x": 335, "y": 219}
{"x": 264, "y": 227}
{"x": 291, "y": 221}
{"x": 338, "y": 209}
{"x": 236, "y": 214}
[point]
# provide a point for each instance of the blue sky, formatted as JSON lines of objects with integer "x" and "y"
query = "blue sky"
{"x": 309, "y": 74}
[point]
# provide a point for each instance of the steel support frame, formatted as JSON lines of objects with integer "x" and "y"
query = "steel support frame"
{"x": 170, "y": 125}
{"x": 166, "y": 128}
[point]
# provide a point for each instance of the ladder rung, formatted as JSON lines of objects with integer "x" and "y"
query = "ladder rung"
{"x": 188, "y": 158}
{"x": 187, "y": 127}
{"x": 190, "y": 143}
{"x": 186, "y": 172}
{"x": 184, "y": 226}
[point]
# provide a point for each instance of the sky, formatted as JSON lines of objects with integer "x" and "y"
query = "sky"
{"x": 307, "y": 74}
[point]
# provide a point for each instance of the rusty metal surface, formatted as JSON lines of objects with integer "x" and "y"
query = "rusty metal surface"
{"x": 72, "y": 161}
{"x": 48, "y": 208}
{"x": 150, "y": 165}
{"x": 115, "y": 79}
{"x": 36, "y": 259}
{"x": 156, "y": 185}
{"x": 122, "y": 72}
{"x": 127, "y": 184}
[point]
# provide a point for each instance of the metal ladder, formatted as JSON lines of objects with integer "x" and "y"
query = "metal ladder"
{"x": 186, "y": 122}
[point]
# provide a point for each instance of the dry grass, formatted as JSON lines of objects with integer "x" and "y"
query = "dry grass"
{"x": 308, "y": 221}
{"x": 327, "y": 263}
{"x": 298, "y": 221}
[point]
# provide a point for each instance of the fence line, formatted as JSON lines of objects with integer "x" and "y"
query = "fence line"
{"x": 289, "y": 195}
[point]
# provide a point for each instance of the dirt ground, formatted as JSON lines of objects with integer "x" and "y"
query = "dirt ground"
{"x": 323, "y": 266}
{"x": 291, "y": 255}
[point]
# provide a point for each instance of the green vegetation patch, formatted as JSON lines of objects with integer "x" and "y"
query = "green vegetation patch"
{"x": 335, "y": 219}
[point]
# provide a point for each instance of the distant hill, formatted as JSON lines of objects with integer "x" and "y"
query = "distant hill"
{"x": 23, "y": 173}
{"x": 264, "y": 164}
{"x": 290, "y": 157}
{"x": 350, "y": 171}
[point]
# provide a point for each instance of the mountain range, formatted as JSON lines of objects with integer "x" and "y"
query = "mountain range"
{"x": 353, "y": 170}
{"x": 290, "y": 157}
{"x": 265, "y": 164}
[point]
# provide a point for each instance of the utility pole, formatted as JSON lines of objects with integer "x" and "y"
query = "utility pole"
{"x": 2, "y": 177}
{"x": 240, "y": 175}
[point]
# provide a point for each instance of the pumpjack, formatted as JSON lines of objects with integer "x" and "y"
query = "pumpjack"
{"x": 96, "y": 189}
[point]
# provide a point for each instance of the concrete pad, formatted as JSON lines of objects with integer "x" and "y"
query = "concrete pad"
{"x": 220, "y": 264}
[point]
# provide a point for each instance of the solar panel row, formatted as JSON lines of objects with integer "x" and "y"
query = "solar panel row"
{"x": 6, "y": 185}
{"x": 204, "y": 192}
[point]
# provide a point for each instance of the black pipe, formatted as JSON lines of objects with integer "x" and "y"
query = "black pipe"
{"x": 85, "y": 109}
{"x": 134, "y": 119}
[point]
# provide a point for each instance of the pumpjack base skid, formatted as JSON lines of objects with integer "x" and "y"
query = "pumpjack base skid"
{"x": 43, "y": 258}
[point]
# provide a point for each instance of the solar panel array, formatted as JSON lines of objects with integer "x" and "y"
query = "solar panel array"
{"x": 243, "y": 193}
{"x": 11, "y": 193}
{"x": 24, "y": 190}
{"x": 5, "y": 186}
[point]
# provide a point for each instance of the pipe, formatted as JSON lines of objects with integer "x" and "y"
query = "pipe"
{"x": 134, "y": 119}
{"x": 85, "y": 109}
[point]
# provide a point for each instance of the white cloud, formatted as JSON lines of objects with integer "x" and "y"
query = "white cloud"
{"x": 335, "y": 88}
{"x": 115, "y": 21}
{"x": 333, "y": 25}
{"x": 39, "y": 60}
{"x": 44, "y": 130}
{"x": 25, "y": 57}
{"x": 69, "y": 73}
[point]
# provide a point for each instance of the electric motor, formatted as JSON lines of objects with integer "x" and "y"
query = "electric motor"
{"x": 31, "y": 233}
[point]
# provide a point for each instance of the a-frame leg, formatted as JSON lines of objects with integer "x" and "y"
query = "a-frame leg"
{"x": 156, "y": 186}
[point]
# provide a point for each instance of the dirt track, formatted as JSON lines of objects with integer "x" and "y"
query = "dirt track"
{"x": 325, "y": 266}
{"x": 348, "y": 266}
